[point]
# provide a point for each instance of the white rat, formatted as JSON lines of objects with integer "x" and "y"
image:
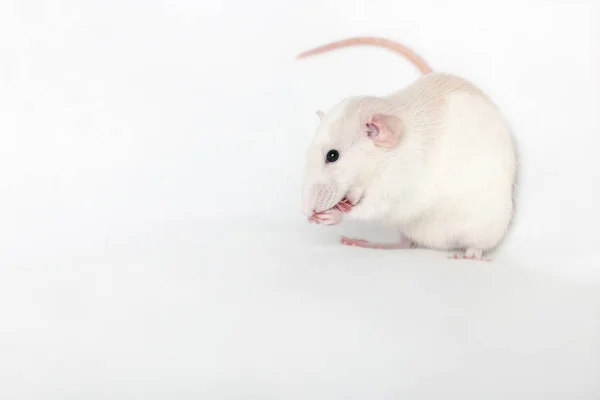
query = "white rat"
{"x": 436, "y": 160}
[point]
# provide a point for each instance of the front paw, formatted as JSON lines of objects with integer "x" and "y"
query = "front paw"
{"x": 331, "y": 217}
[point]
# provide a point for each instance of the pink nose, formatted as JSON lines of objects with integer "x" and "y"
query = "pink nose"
{"x": 316, "y": 198}
{"x": 307, "y": 208}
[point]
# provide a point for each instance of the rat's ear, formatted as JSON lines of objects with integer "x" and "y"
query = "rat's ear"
{"x": 321, "y": 114}
{"x": 385, "y": 130}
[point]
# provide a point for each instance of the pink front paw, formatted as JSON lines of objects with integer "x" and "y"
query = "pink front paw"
{"x": 331, "y": 217}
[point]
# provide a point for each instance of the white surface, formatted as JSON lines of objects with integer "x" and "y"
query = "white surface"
{"x": 152, "y": 241}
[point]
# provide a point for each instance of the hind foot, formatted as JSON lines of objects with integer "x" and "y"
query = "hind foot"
{"x": 402, "y": 244}
{"x": 470, "y": 254}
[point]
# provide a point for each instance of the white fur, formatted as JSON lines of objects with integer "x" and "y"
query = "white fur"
{"x": 449, "y": 182}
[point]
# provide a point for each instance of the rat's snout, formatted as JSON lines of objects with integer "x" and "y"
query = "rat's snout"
{"x": 317, "y": 197}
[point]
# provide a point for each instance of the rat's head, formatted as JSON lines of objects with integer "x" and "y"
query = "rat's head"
{"x": 351, "y": 144}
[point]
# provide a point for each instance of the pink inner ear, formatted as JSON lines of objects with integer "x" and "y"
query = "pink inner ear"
{"x": 321, "y": 114}
{"x": 385, "y": 130}
{"x": 372, "y": 130}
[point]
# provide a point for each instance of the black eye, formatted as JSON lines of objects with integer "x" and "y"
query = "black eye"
{"x": 332, "y": 155}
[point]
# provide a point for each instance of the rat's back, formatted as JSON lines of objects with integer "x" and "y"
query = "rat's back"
{"x": 465, "y": 195}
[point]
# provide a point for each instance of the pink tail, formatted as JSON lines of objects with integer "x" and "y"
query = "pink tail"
{"x": 372, "y": 41}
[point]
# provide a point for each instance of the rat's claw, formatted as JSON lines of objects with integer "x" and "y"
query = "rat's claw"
{"x": 330, "y": 217}
{"x": 469, "y": 255}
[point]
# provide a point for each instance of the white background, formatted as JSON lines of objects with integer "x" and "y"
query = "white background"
{"x": 151, "y": 240}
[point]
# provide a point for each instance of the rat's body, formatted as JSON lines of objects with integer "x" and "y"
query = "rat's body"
{"x": 436, "y": 160}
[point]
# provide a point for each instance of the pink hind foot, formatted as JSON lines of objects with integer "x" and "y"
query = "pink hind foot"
{"x": 470, "y": 254}
{"x": 403, "y": 244}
